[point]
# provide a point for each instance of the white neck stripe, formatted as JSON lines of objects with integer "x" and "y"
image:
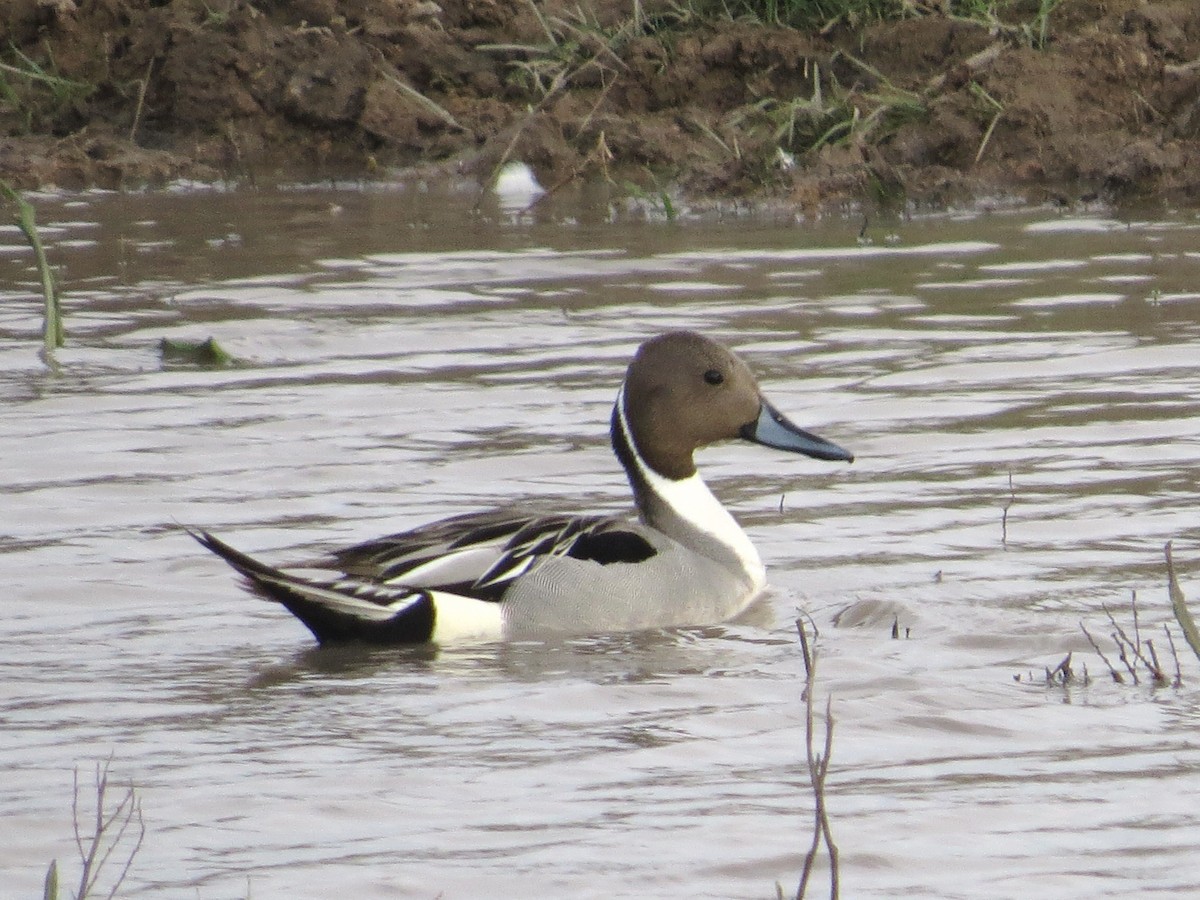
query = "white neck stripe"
{"x": 694, "y": 503}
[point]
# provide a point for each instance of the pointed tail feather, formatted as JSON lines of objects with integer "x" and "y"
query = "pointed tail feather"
{"x": 344, "y": 609}
{"x": 246, "y": 565}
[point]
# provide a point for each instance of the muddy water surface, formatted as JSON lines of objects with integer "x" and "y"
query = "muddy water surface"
{"x": 401, "y": 358}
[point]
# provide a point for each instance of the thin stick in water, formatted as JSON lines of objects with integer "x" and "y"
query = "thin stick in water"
{"x": 818, "y": 769}
{"x": 1012, "y": 498}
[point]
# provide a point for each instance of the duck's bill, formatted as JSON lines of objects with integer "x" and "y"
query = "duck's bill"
{"x": 773, "y": 429}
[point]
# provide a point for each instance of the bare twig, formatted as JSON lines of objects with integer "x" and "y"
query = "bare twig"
{"x": 1061, "y": 673}
{"x": 1178, "y": 682}
{"x": 818, "y": 769}
{"x": 1132, "y": 648}
{"x": 1136, "y": 651}
{"x": 1137, "y": 631}
{"x": 806, "y": 652}
{"x": 1116, "y": 676}
{"x": 826, "y": 831}
{"x": 1153, "y": 664}
{"x": 1012, "y": 498}
{"x": 1125, "y": 647}
{"x": 109, "y": 829}
{"x": 1123, "y": 655}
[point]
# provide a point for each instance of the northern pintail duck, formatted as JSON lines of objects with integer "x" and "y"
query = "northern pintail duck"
{"x": 500, "y": 573}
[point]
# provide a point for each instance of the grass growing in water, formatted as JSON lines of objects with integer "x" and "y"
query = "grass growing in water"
{"x": 52, "y": 327}
{"x": 1179, "y": 606}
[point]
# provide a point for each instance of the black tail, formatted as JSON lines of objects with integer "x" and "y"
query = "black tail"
{"x": 338, "y": 610}
{"x": 246, "y": 565}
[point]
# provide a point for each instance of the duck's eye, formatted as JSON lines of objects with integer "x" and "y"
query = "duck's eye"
{"x": 714, "y": 376}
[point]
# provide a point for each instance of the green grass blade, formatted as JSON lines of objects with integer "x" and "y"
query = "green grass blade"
{"x": 50, "y": 889}
{"x": 53, "y": 335}
{"x": 1179, "y": 605}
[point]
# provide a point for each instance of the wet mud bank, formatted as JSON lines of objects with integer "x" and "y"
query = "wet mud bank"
{"x": 1099, "y": 101}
